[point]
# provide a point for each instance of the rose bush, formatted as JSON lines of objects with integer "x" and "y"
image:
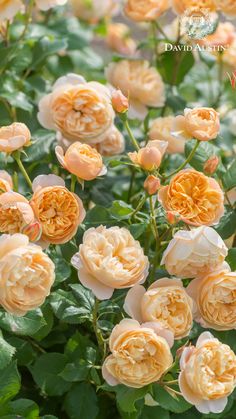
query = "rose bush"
{"x": 117, "y": 209}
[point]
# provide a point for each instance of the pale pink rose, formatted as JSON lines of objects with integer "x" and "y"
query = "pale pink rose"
{"x": 118, "y": 38}
{"x": 140, "y": 354}
{"x": 109, "y": 259}
{"x": 26, "y": 274}
{"x": 6, "y": 183}
{"x": 208, "y": 374}
{"x": 149, "y": 157}
{"x": 165, "y": 302}
{"x": 200, "y": 123}
{"x": 15, "y": 212}
{"x": 139, "y": 82}
{"x": 194, "y": 253}
{"x": 81, "y": 111}
{"x": 145, "y": 11}
{"x": 13, "y": 137}
{"x": 9, "y": 8}
{"x": 113, "y": 144}
{"x": 48, "y": 4}
{"x": 82, "y": 160}
{"x": 163, "y": 129}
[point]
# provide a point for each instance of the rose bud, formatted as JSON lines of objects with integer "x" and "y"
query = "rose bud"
{"x": 119, "y": 102}
{"x": 149, "y": 157}
{"x": 33, "y": 231}
{"x": 211, "y": 165}
{"x": 152, "y": 184}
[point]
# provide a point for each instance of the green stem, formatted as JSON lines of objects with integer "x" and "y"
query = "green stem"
{"x": 73, "y": 183}
{"x": 156, "y": 235}
{"x": 139, "y": 207}
{"x": 97, "y": 332}
{"x": 15, "y": 181}
{"x": 155, "y": 43}
{"x": 189, "y": 158}
{"x": 16, "y": 156}
{"x": 28, "y": 19}
{"x": 131, "y": 135}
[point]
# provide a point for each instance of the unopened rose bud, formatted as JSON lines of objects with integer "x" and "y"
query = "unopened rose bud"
{"x": 149, "y": 157}
{"x": 152, "y": 184}
{"x": 172, "y": 217}
{"x": 211, "y": 165}
{"x": 33, "y": 231}
{"x": 119, "y": 102}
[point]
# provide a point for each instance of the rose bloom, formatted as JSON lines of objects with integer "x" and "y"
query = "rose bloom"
{"x": 228, "y": 7}
{"x": 215, "y": 297}
{"x": 59, "y": 211}
{"x": 152, "y": 184}
{"x": 113, "y": 144}
{"x": 194, "y": 253}
{"x": 118, "y": 39}
{"x": 81, "y": 160}
{"x": 120, "y": 102}
{"x": 165, "y": 302}
{"x": 9, "y": 8}
{"x": 48, "y": 4}
{"x": 163, "y": 129}
{"x": 13, "y": 137}
{"x": 196, "y": 198}
{"x": 150, "y": 156}
{"x": 91, "y": 11}
{"x": 208, "y": 374}
{"x": 180, "y": 6}
{"x": 108, "y": 259}
{"x": 80, "y": 111}
{"x": 201, "y": 123}
{"x": 223, "y": 36}
{"x": 140, "y": 354}
{"x": 15, "y": 212}
{"x": 6, "y": 183}
{"x": 140, "y": 82}
{"x": 145, "y": 11}
{"x": 27, "y": 274}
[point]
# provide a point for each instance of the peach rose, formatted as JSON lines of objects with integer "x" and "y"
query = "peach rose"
{"x": 140, "y": 354}
{"x": 80, "y": 111}
{"x": 211, "y": 165}
{"x": 119, "y": 101}
{"x": 223, "y": 36}
{"x": 208, "y": 374}
{"x": 163, "y": 129}
{"x": 59, "y": 211}
{"x": 228, "y": 7}
{"x": 9, "y": 8}
{"x": 118, "y": 39}
{"x": 13, "y": 137}
{"x": 197, "y": 198}
{"x": 194, "y": 253}
{"x": 81, "y": 160}
{"x": 108, "y": 259}
{"x": 180, "y": 6}
{"x": 6, "y": 183}
{"x": 215, "y": 297}
{"x": 91, "y": 11}
{"x": 26, "y": 274}
{"x": 152, "y": 184}
{"x": 149, "y": 157}
{"x": 145, "y": 11}
{"x": 165, "y": 302}
{"x": 201, "y": 123}
{"x": 140, "y": 82}
{"x": 15, "y": 212}
{"x": 113, "y": 144}
{"x": 48, "y": 4}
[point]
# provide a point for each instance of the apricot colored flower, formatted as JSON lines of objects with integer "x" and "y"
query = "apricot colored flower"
{"x": 208, "y": 374}
{"x": 150, "y": 156}
{"x": 215, "y": 297}
{"x": 211, "y": 165}
{"x": 9, "y": 8}
{"x": 80, "y": 111}
{"x": 145, "y": 11}
{"x": 140, "y": 82}
{"x": 228, "y": 7}
{"x": 118, "y": 39}
{"x": 140, "y": 354}
{"x": 113, "y": 144}
{"x": 180, "y": 6}
{"x": 26, "y": 274}
{"x": 163, "y": 129}
{"x": 194, "y": 253}
{"x": 13, "y": 137}
{"x": 6, "y": 183}
{"x": 108, "y": 259}
{"x": 201, "y": 123}
{"x": 165, "y": 302}
{"x": 81, "y": 160}
{"x": 48, "y": 4}
{"x": 197, "y": 198}
{"x": 15, "y": 212}
{"x": 59, "y": 211}
{"x": 223, "y": 36}
{"x": 119, "y": 101}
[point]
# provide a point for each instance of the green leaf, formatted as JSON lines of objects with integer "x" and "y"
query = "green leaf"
{"x": 6, "y": 352}
{"x": 174, "y": 65}
{"x": 26, "y": 325}
{"x": 137, "y": 229}
{"x": 46, "y": 373}
{"x": 204, "y": 151}
{"x": 81, "y": 402}
{"x": 227, "y": 225}
{"x": 25, "y": 353}
{"x": 24, "y": 408}
{"x": 18, "y": 100}
{"x": 231, "y": 258}
{"x": 84, "y": 296}
{"x": 166, "y": 401}
{"x": 42, "y": 143}
{"x": 99, "y": 215}
{"x": 76, "y": 372}
{"x": 62, "y": 269}
{"x": 127, "y": 397}
{"x": 229, "y": 179}
{"x": 9, "y": 383}
{"x": 154, "y": 412}
{"x": 121, "y": 210}
{"x": 66, "y": 308}
{"x": 45, "y": 47}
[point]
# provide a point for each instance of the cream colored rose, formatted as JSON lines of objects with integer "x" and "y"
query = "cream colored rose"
{"x": 163, "y": 129}
{"x": 9, "y": 8}
{"x": 140, "y": 82}
{"x": 145, "y": 11}
{"x": 140, "y": 354}
{"x": 6, "y": 183}
{"x": 13, "y": 137}
{"x": 113, "y": 144}
{"x": 180, "y": 6}
{"x": 26, "y": 274}
{"x": 108, "y": 259}
{"x": 92, "y": 10}
{"x": 228, "y": 7}
{"x": 15, "y": 212}
{"x": 208, "y": 374}
{"x": 80, "y": 111}
{"x": 194, "y": 253}
{"x": 165, "y": 302}
{"x": 201, "y": 123}
{"x": 196, "y": 198}
{"x": 215, "y": 297}
{"x": 59, "y": 211}
{"x": 48, "y": 4}
{"x": 118, "y": 38}
{"x": 81, "y": 160}
{"x": 149, "y": 157}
